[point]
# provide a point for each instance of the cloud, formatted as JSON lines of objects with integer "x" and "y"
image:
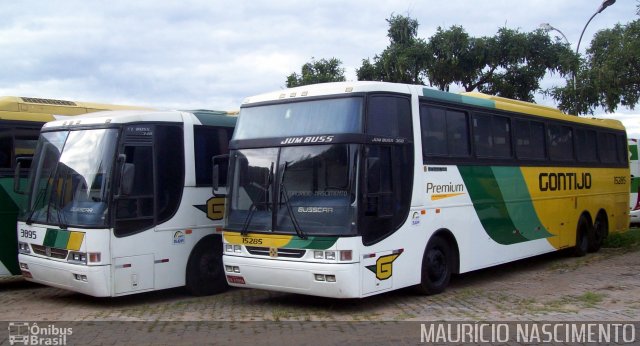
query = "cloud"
{"x": 204, "y": 53}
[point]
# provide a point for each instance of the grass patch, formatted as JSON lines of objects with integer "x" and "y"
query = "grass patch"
{"x": 629, "y": 240}
{"x": 590, "y": 299}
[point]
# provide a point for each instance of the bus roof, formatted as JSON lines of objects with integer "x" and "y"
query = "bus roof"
{"x": 43, "y": 110}
{"x": 470, "y": 98}
{"x": 203, "y": 117}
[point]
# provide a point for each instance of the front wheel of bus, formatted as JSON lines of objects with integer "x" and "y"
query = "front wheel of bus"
{"x": 205, "y": 273}
{"x": 436, "y": 267}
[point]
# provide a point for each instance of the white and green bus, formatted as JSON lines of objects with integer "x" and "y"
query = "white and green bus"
{"x": 20, "y": 121}
{"x": 634, "y": 167}
{"x": 120, "y": 203}
{"x": 358, "y": 188}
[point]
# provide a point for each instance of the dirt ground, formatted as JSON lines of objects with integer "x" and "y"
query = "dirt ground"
{"x": 598, "y": 287}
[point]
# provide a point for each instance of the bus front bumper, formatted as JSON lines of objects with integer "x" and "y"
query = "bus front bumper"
{"x": 91, "y": 280}
{"x": 317, "y": 279}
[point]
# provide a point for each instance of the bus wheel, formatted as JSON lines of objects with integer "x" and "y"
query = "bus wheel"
{"x": 582, "y": 237}
{"x": 600, "y": 231}
{"x": 205, "y": 272}
{"x": 436, "y": 267}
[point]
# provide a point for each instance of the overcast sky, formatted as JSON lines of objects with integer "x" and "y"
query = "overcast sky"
{"x": 212, "y": 53}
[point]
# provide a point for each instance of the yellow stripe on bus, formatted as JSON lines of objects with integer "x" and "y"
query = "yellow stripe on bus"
{"x": 75, "y": 241}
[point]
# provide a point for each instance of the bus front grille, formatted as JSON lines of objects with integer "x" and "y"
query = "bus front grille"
{"x": 50, "y": 252}
{"x": 265, "y": 251}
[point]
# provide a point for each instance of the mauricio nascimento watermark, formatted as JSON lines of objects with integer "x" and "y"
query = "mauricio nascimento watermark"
{"x": 529, "y": 332}
{"x": 25, "y": 333}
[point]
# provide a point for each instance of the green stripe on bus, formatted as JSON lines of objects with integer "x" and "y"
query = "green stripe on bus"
{"x": 315, "y": 243}
{"x": 61, "y": 240}
{"x": 9, "y": 202}
{"x": 451, "y": 97}
{"x": 635, "y": 183}
{"x": 518, "y": 202}
{"x": 489, "y": 204}
{"x": 634, "y": 152}
{"x": 50, "y": 237}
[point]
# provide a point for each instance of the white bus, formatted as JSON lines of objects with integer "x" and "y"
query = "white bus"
{"x": 358, "y": 188}
{"x": 120, "y": 203}
{"x": 634, "y": 167}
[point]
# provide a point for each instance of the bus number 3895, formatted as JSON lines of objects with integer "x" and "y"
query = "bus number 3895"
{"x": 29, "y": 234}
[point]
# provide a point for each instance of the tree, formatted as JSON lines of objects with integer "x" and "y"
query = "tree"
{"x": 320, "y": 71}
{"x": 404, "y": 60}
{"x": 509, "y": 64}
{"x": 609, "y": 76}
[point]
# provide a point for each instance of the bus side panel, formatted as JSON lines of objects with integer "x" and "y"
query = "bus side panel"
{"x": 583, "y": 190}
{"x": 9, "y": 202}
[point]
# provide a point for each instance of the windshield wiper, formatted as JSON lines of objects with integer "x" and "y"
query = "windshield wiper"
{"x": 287, "y": 203}
{"x": 263, "y": 190}
{"x": 62, "y": 222}
{"x": 39, "y": 196}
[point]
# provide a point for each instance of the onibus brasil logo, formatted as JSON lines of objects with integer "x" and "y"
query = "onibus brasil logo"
{"x": 25, "y": 333}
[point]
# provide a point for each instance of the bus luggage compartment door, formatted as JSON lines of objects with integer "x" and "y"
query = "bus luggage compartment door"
{"x": 133, "y": 273}
{"x": 377, "y": 272}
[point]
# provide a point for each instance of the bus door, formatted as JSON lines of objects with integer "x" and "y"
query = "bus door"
{"x": 132, "y": 266}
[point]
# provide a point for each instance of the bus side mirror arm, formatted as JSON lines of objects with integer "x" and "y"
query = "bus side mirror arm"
{"x": 218, "y": 185}
{"x": 16, "y": 176}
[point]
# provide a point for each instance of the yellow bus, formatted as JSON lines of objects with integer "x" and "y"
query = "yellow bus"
{"x": 358, "y": 188}
{"x": 20, "y": 121}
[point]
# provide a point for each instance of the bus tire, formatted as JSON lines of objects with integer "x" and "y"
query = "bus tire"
{"x": 205, "y": 271}
{"x": 600, "y": 231}
{"x": 582, "y": 237}
{"x": 436, "y": 267}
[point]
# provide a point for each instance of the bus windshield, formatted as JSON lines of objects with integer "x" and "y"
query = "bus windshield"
{"x": 328, "y": 116}
{"x": 302, "y": 190}
{"x": 70, "y": 178}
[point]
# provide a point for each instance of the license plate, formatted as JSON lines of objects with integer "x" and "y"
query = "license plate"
{"x": 235, "y": 279}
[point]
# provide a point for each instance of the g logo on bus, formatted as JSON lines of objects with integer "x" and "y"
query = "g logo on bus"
{"x": 47, "y": 251}
{"x": 215, "y": 208}
{"x": 273, "y": 252}
{"x": 384, "y": 266}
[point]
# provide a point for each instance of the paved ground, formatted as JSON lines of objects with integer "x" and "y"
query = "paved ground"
{"x": 599, "y": 287}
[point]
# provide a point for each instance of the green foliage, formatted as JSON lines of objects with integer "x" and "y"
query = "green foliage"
{"x": 518, "y": 62}
{"x": 455, "y": 58}
{"x": 317, "y": 71}
{"x": 629, "y": 240}
{"x": 510, "y": 64}
{"x": 609, "y": 76}
{"x": 404, "y": 60}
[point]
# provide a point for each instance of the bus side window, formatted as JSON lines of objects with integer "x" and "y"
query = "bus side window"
{"x": 209, "y": 142}
{"x": 158, "y": 181}
{"x": 134, "y": 212}
{"x": 6, "y": 148}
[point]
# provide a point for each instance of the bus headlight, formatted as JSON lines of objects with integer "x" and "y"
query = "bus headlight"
{"x": 330, "y": 255}
{"x": 77, "y": 257}
{"x": 23, "y": 248}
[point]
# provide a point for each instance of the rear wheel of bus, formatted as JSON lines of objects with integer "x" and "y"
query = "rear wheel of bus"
{"x": 582, "y": 236}
{"x": 600, "y": 231}
{"x": 205, "y": 273}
